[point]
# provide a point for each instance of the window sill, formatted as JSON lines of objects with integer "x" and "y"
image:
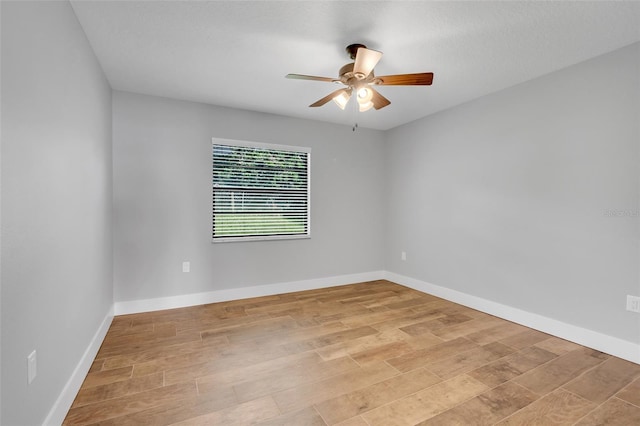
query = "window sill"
{"x": 260, "y": 238}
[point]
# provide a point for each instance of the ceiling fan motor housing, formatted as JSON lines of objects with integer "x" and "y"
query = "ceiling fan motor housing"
{"x": 351, "y": 79}
{"x": 352, "y": 49}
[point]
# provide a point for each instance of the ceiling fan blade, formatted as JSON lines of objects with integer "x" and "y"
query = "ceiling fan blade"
{"x": 418, "y": 79}
{"x": 329, "y": 97}
{"x": 378, "y": 100}
{"x": 366, "y": 60}
{"x": 310, "y": 77}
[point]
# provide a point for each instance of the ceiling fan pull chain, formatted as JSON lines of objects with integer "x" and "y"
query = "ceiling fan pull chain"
{"x": 354, "y": 114}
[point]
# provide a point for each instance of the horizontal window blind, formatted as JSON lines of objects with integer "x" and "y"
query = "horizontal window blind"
{"x": 260, "y": 191}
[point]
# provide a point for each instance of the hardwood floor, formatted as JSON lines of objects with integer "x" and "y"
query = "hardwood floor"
{"x": 373, "y": 353}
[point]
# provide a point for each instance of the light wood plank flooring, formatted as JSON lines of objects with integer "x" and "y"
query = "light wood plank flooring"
{"x": 374, "y": 353}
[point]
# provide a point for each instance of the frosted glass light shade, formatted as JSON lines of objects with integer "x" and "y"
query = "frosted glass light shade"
{"x": 342, "y": 99}
{"x": 365, "y": 106}
{"x": 364, "y": 97}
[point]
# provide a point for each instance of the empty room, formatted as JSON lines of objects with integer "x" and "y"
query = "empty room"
{"x": 349, "y": 213}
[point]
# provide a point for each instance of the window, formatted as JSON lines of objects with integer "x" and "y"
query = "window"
{"x": 260, "y": 191}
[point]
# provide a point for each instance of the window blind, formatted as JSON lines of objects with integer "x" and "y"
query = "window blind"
{"x": 260, "y": 191}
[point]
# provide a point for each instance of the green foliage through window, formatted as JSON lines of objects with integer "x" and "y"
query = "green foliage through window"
{"x": 259, "y": 191}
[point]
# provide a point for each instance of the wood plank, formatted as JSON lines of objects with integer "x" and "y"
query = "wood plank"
{"x": 487, "y": 408}
{"x": 557, "y": 408}
{"x": 241, "y": 414}
{"x": 110, "y": 408}
{"x": 425, "y": 404}
{"x": 613, "y": 412}
{"x": 601, "y": 382}
{"x": 90, "y": 395}
{"x": 344, "y": 407}
{"x": 631, "y": 393}
{"x": 561, "y": 370}
{"x": 511, "y": 366}
{"x": 422, "y": 357}
{"x": 313, "y": 393}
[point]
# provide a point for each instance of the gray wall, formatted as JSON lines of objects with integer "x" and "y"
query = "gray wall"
{"x": 162, "y": 200}
{"x": 507, "y": 197}
{"x": 56, "y": 203}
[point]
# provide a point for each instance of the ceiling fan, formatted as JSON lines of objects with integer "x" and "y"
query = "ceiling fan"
{"x": 359, "y": 78}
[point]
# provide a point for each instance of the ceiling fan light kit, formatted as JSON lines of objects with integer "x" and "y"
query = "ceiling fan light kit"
{"x": 359, "y": 78}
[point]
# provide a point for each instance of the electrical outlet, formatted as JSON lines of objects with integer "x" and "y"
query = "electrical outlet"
{"x": 31, "y": 367}
{"x": 186, "y": 266}
{"x": 633, "y": 303}
{"x": 403, "y": 255}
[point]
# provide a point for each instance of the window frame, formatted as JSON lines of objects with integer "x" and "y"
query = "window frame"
{"x": 270, "y": 146}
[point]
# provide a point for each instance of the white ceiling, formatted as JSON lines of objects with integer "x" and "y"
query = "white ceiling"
{"x": 236, "y": 53}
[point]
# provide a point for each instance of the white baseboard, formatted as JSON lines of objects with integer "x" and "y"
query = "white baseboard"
{"x": 181, "y": 301}
{"x": 63, "y": 403}
{"x": 589, "y": 338}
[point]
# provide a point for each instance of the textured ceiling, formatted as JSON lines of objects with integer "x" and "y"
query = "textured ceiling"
{"x": 236, "y": 53}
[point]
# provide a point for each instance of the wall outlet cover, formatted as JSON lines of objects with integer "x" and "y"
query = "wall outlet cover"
{"x": 633, "y": 303}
